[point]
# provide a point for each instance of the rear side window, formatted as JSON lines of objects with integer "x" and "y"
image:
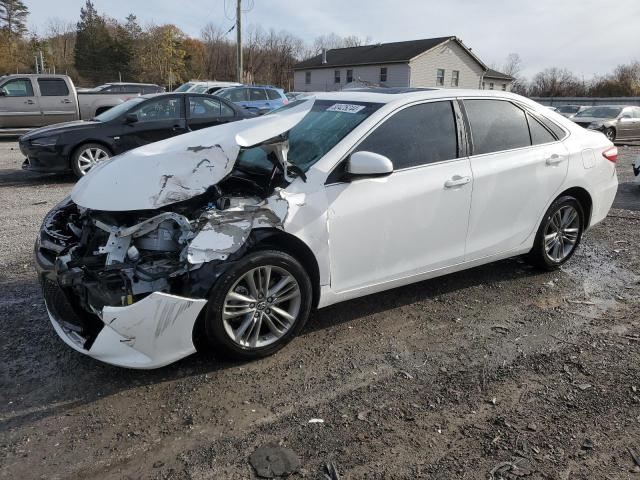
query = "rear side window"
{"x": 235, "y": 94}
{"x": 150, "y": 90}
{"x": 257, "y": 94}
{"x": 416, "y": 135}
{"x": 53, "y": 87}
{"x": 539, "y": 134}
{"x": 273, "y": 94}
{"x": 496, "y": 126}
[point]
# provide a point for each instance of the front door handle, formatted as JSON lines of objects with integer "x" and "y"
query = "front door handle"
{"x": 30, "y": 102}
{"x": 456, "y": 181}
{"x": 65, "y": 100}
{"x": 554, "y": 159}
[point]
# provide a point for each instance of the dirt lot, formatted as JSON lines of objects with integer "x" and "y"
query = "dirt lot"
{"x": 499, "y": 371}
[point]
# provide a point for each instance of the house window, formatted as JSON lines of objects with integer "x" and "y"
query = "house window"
{"x": 483, "y": 85}
{"x": 490, "y": 85}
{"x": 307, "y": 77}
{"x": 349, "y": 76}
{"x": 440, "y": 77}
{"x": 455, "y": 78}
{"x": 336, "y": 76}
{"x": 383, "y": 74}
{"x": 504, "y": 87}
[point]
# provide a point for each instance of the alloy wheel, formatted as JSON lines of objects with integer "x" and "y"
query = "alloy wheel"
{"x": 89, "y": 157}
{"x": 261, "y": 306}
{"x": 561, "y": 234}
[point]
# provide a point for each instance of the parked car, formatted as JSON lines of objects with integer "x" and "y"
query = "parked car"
{"x": 28, "y": 101}
{"x": 256, "y": 98}
{"x": 79, "y": 145}
{"x": 197, "y": 86}
{"x": 570, "y": 110}
{"x": 232, "y": 235}
{"x": 553, "y": 109}
{"x": 122, "y": 87}
{"x": 617, "y": 122}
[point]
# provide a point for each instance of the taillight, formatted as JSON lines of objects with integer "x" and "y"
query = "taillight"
{"x": 611, "y": 154}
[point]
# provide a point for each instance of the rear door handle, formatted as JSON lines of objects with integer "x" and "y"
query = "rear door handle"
{"x": 554, "y": 159}
{"x": 65, "y": 100}
{"x": 30, "y": 102}
{"x": 456, "y": 181}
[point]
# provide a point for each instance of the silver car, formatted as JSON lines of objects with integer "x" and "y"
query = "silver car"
{"x": 570, "y": 111}
{"x": 617, "y": 122}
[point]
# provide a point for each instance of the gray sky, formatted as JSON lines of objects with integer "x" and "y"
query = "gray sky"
{"x": 586, "y": 36}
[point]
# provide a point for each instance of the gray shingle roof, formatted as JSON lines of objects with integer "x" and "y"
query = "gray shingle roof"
{"x": 490, "y": 73}
{"x": 395, "y": 52}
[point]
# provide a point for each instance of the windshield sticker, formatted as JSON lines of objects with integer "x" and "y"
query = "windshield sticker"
{"x": 345, "y": 108}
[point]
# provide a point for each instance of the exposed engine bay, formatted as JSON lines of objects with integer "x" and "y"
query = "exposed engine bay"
{"x": 117, "y": 258}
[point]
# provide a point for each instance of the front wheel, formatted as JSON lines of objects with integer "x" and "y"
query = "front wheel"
{"x": 258, "y": 305}
{"x": 88, "y": 156}
{"x": 559, "y": 234}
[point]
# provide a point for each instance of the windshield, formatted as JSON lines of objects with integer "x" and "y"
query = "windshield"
{"x": 184, "y": 87}
{"x": 319, "y": 131}
{"x": 118, "y": 110}
{"x": 568, "y": 109}
{"x": 600, "y": 112}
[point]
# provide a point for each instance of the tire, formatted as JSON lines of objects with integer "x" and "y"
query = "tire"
{"x": 549, "y": 252}
{"x": 86, "y": 156}
{"x": 238, "y": 328}
{"x": 610, "y": 133}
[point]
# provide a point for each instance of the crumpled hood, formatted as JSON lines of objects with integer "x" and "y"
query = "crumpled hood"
{"x": 178, "y": 168}
{"x": 592, "y": 119}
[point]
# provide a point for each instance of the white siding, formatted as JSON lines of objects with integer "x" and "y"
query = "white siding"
{"x": 322, "y": 79}
{"x": 497, "y": 83}
{"x": 449, "y": 57}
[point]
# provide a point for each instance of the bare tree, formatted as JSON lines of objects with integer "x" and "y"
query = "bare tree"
{"x": 556, "y": 82}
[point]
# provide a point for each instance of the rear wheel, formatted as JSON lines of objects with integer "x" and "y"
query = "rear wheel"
{"x": 87, "y": 156}
{"x": 258, "y": 305}
{"x": 610, "y": 133}
{"x": 559, "y": 234}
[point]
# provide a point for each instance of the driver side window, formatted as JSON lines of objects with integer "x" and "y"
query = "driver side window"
{"x": 160, "y": 109}
{"x": 19, "y": 87}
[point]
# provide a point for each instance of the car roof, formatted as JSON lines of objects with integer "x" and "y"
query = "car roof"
{"x": 403, "y": 95}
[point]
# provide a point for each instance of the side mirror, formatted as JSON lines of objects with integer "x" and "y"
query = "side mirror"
{"x": 131, "y": 118}
{"x": 369, "y": 164}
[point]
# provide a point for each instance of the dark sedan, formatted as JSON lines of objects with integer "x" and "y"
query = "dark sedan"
{"x": 77, "y": 146}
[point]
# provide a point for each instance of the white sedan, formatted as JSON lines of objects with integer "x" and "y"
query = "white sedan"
{"x": 231, "y": 236}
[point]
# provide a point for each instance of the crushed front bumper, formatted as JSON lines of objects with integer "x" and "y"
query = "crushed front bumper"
{"x": 150, "y": 333}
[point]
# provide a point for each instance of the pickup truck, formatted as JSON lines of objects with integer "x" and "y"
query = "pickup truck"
{"x": 30, "y": 101}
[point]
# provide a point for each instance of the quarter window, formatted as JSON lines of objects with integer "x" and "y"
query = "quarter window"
{"x": 440, "y": 77}
{"x": 273, "y": 94}
{"x": 455, "y": 78}
{"x": 202, "y": 107}
{"x": 539, "y": 134}
{"x": 415, "y": 136}
{"x": 336, "y": 76}
{"x": 383, "y": 74}
{"x": 20, "y": 87}
{"x": 307, "y": 77}
{"x": 496, "y": 126}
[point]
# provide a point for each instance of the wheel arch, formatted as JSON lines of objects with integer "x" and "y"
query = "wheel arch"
{"x": 273, "y": 238}
{"x": 584, "y": 197}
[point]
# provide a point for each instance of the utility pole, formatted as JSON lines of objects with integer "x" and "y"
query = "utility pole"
{"x": 239, "y": 39}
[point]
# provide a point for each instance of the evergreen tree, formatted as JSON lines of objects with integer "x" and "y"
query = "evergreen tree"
{"x": 94, "y": 47}
{"x": 13, "y": 17}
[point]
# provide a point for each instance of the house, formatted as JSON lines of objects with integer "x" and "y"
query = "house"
{"x": 432, "y": 62}
{"x": 494, "y": 80}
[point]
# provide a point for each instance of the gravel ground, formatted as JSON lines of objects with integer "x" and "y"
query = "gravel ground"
{"x": 497, "y": 372}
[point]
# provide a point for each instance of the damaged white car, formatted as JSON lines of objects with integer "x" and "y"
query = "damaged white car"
{"x": 230, "y": 236}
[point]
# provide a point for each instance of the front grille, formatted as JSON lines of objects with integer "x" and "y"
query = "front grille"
{"x": 86, "y": 325}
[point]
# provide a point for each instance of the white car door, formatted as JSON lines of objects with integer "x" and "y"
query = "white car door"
{"x": 411, "y": 221}
{"x": 518, "y": 166}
